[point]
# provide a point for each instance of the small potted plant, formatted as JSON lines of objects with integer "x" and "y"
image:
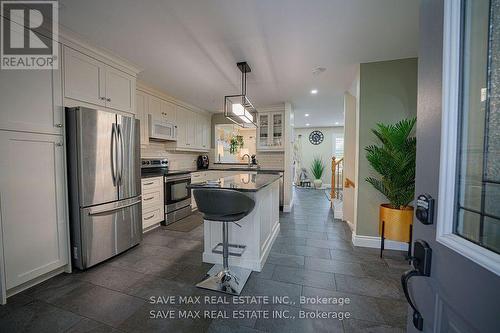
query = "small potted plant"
{"x": 317, "y": 169}
{"x": 394, "y": 161}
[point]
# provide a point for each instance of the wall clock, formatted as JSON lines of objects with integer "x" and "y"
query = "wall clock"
{"x": 316, "y": 137}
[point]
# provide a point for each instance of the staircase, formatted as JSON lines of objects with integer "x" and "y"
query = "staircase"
{"x": 337, "y": 190}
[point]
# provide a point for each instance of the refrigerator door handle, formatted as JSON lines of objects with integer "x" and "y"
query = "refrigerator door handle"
{"x": 120, "y": 155}
{"x": 93, "y": 212}
{"x": 113, "y": 154}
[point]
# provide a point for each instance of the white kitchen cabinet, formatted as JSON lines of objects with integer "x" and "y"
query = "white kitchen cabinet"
{"x": 31, "y": 101}
{"x": 32, "y": 205}
{"x": 200, "y": 121}
{"x": 154, "y": 106}
{"x": 142, "y": 107}
{"x": 206, "y": 133}
{"x": 89, "y": 80}
{"x": 181, "y": 117}
{"x": 153, "y": 207}
{"x": 120, "y": 90}
{"x": 270, "y": 131}
{"x": 191, "y": 120}
{"x": 193, "y": 128}
{"x": 168, "y": 111}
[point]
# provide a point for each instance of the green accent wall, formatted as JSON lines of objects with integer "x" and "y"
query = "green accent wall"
{"x": 387, "y": 94}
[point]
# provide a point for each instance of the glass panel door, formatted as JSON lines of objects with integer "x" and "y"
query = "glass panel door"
{"x": 263, "y": 130}
{"x": 478, "y": 213}
{"x": 277, "y": 129}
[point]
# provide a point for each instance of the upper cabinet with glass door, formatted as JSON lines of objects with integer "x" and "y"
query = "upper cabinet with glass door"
{"x": 270, "y": 131}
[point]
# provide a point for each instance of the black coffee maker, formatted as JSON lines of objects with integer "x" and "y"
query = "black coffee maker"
{"x": 202, "y": 162}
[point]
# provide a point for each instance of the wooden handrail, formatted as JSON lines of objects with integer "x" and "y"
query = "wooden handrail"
{"x": 335, "y": 164}
{"x": 348, "y": 183}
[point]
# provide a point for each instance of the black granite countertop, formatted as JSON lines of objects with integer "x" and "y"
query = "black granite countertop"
{"x": 244, "y": 182}
{"x": 245, "y": 169}
{"x": 185, "y": 171}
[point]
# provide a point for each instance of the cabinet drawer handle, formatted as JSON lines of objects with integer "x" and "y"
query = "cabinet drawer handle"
{"x": 59, "y": 144}
{"x": 59, "y": 125}
{"x": 150, "y": 198}
{"x": 149, "y": 217}
{"x": 102, "y": 98}
{"x": 108, "y": 99}
{"x": 150, "y": 183}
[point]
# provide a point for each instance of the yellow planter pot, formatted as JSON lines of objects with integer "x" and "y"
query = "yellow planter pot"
{"x": 396, "y": 223}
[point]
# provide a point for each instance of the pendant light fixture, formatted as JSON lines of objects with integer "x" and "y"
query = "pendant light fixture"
{"x": 238, "y": 108}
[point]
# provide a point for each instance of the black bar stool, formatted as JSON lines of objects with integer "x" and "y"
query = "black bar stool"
{"x": 225, "y": 206}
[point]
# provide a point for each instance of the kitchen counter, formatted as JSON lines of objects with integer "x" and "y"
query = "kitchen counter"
{"x": 257, "y": 231}
{"x": 245, "y": 182}
{"x": 154, "y": 173}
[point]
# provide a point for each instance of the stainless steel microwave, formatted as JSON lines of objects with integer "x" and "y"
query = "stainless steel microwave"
{"x": 161, "y": 129}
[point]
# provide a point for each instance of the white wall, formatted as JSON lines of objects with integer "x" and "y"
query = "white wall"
{"x": 289, "y": 168}
{"x": 323, "y": 150}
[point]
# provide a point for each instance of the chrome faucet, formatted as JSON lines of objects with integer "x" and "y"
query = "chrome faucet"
{"x": 249, "y": 159}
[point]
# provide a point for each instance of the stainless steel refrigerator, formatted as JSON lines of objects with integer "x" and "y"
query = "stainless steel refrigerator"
{"x": 104, "y": 177}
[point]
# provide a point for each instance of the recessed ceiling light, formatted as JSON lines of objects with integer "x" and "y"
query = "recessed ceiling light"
{"x": 314, "y": 91}
{"x": 307, "y": 124}
{"x": 306, "y": 115}
{"x": 318, "y": 70}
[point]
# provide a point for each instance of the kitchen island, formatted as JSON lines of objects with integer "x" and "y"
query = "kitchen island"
{"x": 258, "y": 229}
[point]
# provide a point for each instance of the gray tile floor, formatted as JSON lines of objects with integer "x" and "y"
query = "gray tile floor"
{"x": 312, "y": 257}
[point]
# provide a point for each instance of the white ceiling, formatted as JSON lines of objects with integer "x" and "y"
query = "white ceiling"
{"x": 189, "y": 48}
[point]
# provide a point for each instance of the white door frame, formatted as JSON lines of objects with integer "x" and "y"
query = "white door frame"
{"x": 449, "y": 145}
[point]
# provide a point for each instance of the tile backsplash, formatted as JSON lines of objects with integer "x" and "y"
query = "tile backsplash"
{"x": 176, "y": 160}
{"x": 271, "y": 160}
{"x": 187, "y": 160}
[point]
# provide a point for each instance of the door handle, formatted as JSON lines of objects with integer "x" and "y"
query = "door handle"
{"x": 105, "y": 211}
{"x": 120, "y": 155}
{"x": 422, "y": 267}
{"x": 113, "y": 153}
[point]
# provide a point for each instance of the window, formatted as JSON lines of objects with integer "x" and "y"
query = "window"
{"x": 339, "y": 147}
{"x": 477, "y": 214}
{"x": 468, "y": 219}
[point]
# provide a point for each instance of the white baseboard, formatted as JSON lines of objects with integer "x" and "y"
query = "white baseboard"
{"x": 351, "y": 225}
{"x": 288, "y": 208}
{"x": 374, "y": 242}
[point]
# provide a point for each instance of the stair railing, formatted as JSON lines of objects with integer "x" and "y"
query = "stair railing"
{"x": 337, "y": 179}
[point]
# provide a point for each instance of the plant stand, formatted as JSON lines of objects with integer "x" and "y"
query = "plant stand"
{"x": 382, "y": 242}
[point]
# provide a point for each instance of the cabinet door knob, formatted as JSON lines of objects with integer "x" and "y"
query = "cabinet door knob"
{"x": 102, "y": 98}
{"x": 59, "y": 125}
{"x": 59, "y": 144}
{"x": 108, "y": 99}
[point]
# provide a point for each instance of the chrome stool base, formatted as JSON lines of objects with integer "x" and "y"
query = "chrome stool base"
{"x": 229, "y": 281}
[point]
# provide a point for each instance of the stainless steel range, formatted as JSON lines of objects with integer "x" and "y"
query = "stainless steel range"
{"x": 177, "y": 195}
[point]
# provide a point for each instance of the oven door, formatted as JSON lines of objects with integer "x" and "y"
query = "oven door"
{"x": 176, "y": 191}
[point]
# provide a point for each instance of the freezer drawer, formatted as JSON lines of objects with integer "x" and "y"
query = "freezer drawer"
{"x": 107, "y": 230}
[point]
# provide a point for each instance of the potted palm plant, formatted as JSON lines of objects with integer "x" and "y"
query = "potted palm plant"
{"x": 317, "y": 169}
{"x": 394, "y": 161}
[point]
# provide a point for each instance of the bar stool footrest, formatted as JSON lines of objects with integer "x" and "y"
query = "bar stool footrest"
{"x": 218, "y": 249}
